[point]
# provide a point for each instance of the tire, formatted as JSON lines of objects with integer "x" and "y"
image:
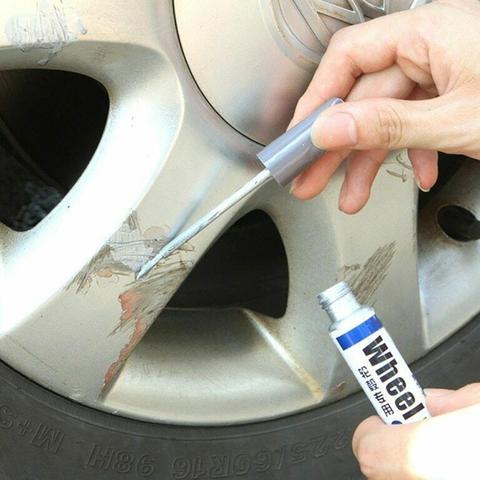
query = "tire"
{"x": 46, "y": 437}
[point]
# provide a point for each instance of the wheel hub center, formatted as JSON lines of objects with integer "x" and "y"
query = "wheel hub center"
{"x": 254, "y": 59}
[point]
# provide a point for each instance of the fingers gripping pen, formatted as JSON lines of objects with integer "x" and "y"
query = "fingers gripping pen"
{"x": 285, "y": 158}
{"x": 373, "y": 357}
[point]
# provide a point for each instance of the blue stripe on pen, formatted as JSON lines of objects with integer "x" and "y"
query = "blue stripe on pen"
{"x": 360, "y": 332}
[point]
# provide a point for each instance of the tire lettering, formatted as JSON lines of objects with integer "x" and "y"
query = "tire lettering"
{"x": 146, "y": 466}
{"x": 181, "y": 468}
{"x": 99, "y": 458}
{"x": 299, "y": 453}
{"x": 6, "y": 417}
{"x": 124, "y": 462}
{"x": 220, "y": 468}
{"x": 223, "y": 466}
{"x": 40, "y": 435}
{"x": 48, "y": 438}
{"x": 263, "y": 461}
{"x": 320, "y": 447}
{"x": 119, "y": 461}
{"x": 241, "y": 464}
{"x": 198, "y": 470}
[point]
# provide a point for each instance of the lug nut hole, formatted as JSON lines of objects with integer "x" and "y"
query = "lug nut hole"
{"x": 459, "y": 223}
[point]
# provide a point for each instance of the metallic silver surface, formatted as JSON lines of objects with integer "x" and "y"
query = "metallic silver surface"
{"x": 244, "y": 191}
{"x": 449, "y": 269}
{"x": 254, "y": 79}
{"x": 71, "y": 313}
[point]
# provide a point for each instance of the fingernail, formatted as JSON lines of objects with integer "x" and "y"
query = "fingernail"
{"x": 295, "y": 184}
{"x": 343, "y": 195}
{"x": 436, "y": 392}
{"x": 334, "y": 131}
{"x": 419, "y": 185}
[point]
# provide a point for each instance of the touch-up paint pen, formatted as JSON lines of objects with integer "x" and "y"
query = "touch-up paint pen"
{"x": 373, "y": 357}
{"x": 283, "y": 159}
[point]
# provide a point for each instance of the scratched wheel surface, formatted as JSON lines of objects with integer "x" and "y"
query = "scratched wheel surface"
{"x": 181, "y": 100}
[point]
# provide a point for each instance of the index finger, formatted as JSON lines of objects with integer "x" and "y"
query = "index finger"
{"x": 352, "y": 52}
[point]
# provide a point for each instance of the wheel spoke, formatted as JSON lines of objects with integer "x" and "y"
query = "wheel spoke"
{"x": 449, "y": 269}
{"x": 71, "y": 278}
{"x": 102, "y": 313}
{"x": 219, "y": 383}
{"x": 321, "y": 252}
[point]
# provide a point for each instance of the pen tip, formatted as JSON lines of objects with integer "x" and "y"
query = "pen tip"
{"x": 150, "y": 265}
{"x": 140, "y": 274}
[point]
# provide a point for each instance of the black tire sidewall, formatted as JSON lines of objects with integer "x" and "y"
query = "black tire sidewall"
{"x": 46, "y": 437}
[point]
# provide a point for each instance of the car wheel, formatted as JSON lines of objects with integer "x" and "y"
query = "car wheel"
{"x": 219, "y": 364}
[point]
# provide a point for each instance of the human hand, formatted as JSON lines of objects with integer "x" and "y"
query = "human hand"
{"x": 444, "y": 447}
{"x": 410, "y": 79}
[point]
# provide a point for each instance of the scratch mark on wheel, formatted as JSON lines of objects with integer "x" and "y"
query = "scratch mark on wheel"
{"x": 339, "y": 387}
{"x": 141, "y": 304}
{"x": 52, "y": 27}
{"x": 144, "y": 300}
{"x": 114, "y": 369}
{"x": 124, "y": 254}
{"x": 402, "y": 176}
{"x": 399, "y": 160}
{"x": 365, "y": 279}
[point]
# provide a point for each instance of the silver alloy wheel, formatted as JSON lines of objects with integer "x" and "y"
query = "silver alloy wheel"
{"x": 71, "y": 313}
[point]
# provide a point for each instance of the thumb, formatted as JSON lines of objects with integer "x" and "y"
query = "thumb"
{"x": 445, "y": 401}
{"x": 388, "y": 124}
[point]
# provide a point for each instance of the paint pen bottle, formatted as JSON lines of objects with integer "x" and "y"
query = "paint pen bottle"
{"x": 373, "y": 357}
